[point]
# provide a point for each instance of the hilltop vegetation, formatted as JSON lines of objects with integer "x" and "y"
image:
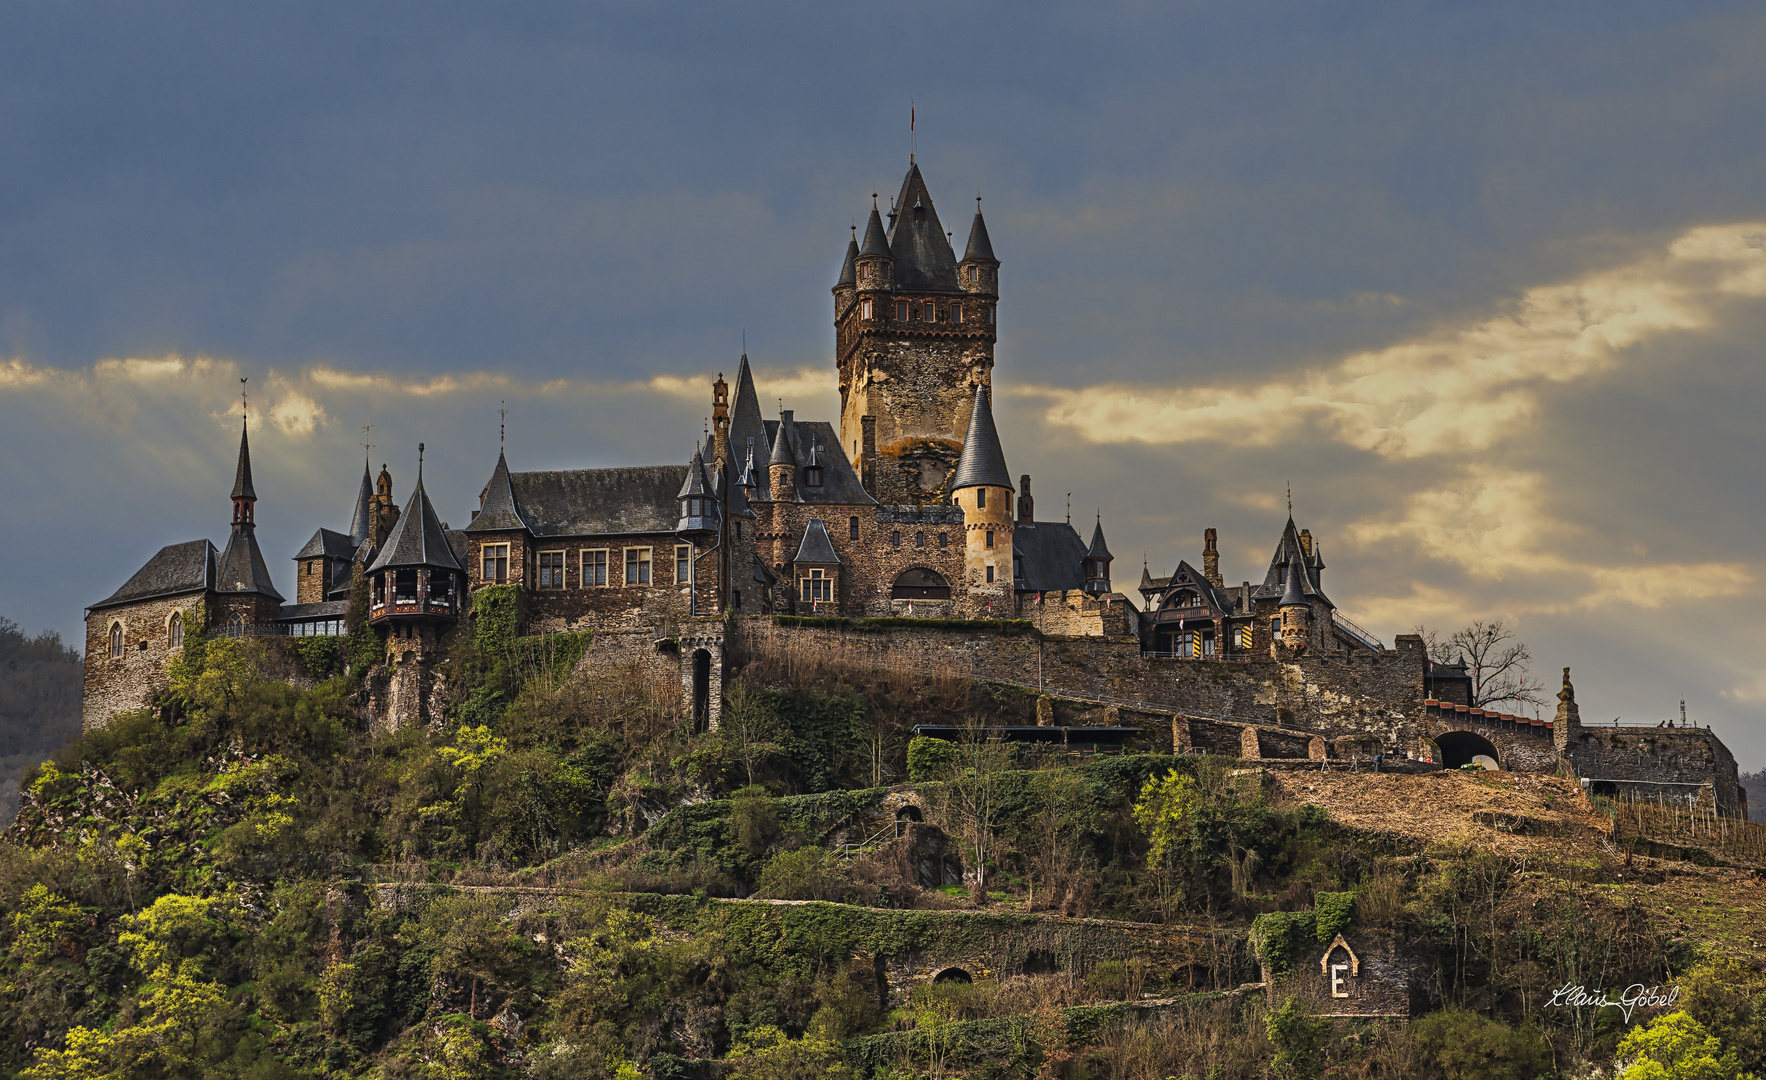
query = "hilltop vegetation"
{"x": 39, "y": 704}
{"x": 569, "y": 881}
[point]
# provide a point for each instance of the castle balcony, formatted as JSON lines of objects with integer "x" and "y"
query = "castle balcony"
{"x": 413, "y": 593}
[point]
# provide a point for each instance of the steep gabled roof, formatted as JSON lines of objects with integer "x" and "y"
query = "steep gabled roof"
{"x": 1188, "y": 577}
{"x": 1289, "y": 552}
{"x": 600, "y": 502}
{"x": 500, "y": 511}
{"x": 840, "y": 481}
{"x": 816, "y": 546}
{"x": 983, "y": 462}
{"x": 748, "y": 428}
{"x": 419, "y": 538}
{"x": 326, "y": 542}
{"x": 924, "y": 261}
{"x": 1047, "y": 556}
{"x": 695, "y": 482}
{"x": 175, "y": 569}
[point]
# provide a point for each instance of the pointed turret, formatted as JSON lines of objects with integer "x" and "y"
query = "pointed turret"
{"x": 416, "y": 581}
{"x": 698, "y": 508}
{"x": 982, "y": 461}
{"x": 876, "y": 238}
{"x": 782, "y": 465}
{"x": 362, "y": 520}
{"x": 924, "y": 261}
{"x": 748, "y": 427}
{"x": 979, "y": 270}
{"x": 1293, "y": 595}
{"x": 498, "y": 509}
{"x": 1097, "y": 561}
{"x": 1296, "y": 612}
{"x": 849, "y": 268}
{"x": 418, "y": 539}
{"x": 241, "y": 568}
{"x": 980, "y": 247}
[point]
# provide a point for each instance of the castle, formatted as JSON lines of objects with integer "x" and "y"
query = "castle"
{"x": 903, "y": 507}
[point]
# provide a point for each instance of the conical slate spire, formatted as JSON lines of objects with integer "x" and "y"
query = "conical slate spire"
{"x": 362, "y": 521}
{"x": 418, "y": 539}
{"x": 1098, "y": 549}
{"x": 983, "y": 462}
{"x": 242, "y": 488}
{"x": 1292, "y": 594}
{"x": 876, "y": 239}
{"x": 747, "y": 425}
{"x": 849, "y": 268}
{"x": 924, "y": 260}
{"x": 980, "y": 247}
{"x": 695, "y": 483}
{"x": 783, "y": 452}
{"x": 500, "y": 511}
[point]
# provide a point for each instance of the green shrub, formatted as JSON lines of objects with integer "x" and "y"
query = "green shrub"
{"x": 1461, "y": 1045}
{"x": 1333, "y": 911}
{"x": 809, "y": 873}
{"x": 1299, "y": 1041}
{"x": 928, "y": 758}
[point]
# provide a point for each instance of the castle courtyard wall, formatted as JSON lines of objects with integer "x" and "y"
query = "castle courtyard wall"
{"x": 130, "y": 681}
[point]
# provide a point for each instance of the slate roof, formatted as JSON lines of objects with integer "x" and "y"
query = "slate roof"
{"x": 1288, "y": 550}
{"x": 983, "y": 462}
{"x": 362, "y": 518}
{"x": 328, "y": 609}
{"x": 876, "y": 239}
{"x": 595, "y": 502}
{"x": 1098, "y": 549}
{"x": 175, "y": 569}
{"x": 816, "y": 546}
{"x": 1291, "y": 591}
{"x": 840, "y": 483}
{"x": 327, "y": 542}
{"x": 499, "y": 510}
{"x": 419, "y": 538}
{"x": 242, "y": 488}
{"x": 241, "y": 568}
{"x": 849, "y": 268}
{"x": 1047, "y": 557}
{"x": 784, "y": 447}
{"x": 924, "y": 261}
{"x": 1187, "y": 576}
{"x": 980, "y": 247}
{"x": 748, "y": 429}
{"x": 695, "y": 482}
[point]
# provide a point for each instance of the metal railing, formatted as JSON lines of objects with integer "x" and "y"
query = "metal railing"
{"x": 1349, "y": 626}
{"x": 263, "y": 630}
{"x": 892, "y": 830}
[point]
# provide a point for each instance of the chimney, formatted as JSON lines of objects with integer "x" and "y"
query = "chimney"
{"x": 1026, "y": 505}
{"x": 1306, "y": 542}
{"x": 1245, "y": 598}
{"x": 1211, "y": 559}
{"x": 868, "y": 459}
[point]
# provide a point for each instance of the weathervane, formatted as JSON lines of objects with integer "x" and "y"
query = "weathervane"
{"x": 366, "y": 445}
{"x": 244, "y": 402}
{"x": 502, "y": 423}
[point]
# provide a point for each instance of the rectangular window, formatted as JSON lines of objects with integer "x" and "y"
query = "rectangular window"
{"x": 683, "y": 564}
{"x": 865, "y": 309}
{"x": 853, "y": 530}
{"x": 944, "y": 539}
{"x": 980, "y": 498}
{"x": 990, "y": 316}
{"x": 1275, "y": 628}
{"x": 1207, "y": 644}
{"x": 551, "y": 570}
{"x": 990, "y": 573}
{"x": 901, "y": 311}
{"x": 817, "y": 587}
{"x": 956, "y": 313}
{"x": 895, "y": 538}
{"x": 990, "y": 538}
{"x": 496, "y": 564}
{"x": 637, "y": 566}
{"x": 931, "y": 312}
{"x": 594, "y": 568}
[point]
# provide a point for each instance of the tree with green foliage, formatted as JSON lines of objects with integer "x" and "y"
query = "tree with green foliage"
{"x": 766, "y": 1053}
{"x": 1457, "y": 1044}
{"x": 1299, "y": 1040}
{"x": 1676, "y": 1047}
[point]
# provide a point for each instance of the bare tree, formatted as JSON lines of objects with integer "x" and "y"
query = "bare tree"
{"x": 1499, "y": 665}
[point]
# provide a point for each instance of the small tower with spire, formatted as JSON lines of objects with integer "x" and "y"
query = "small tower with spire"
{"x": 1294, "y": 608}
{"x": 242, "y": 578}
{"x": 782, "y": 465}
{"x": 1097, "y": 561}
{"x": 983, "y": 488}
{"x": 416, "y": 584}
{"x": 979, "y": 270}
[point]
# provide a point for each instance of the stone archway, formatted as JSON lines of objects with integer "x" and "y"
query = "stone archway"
{"x": 920, "y": 583}
{"x": 1460, "y": 747}
{"x": 701, "y": 689}
{"x": 953, "y": 975}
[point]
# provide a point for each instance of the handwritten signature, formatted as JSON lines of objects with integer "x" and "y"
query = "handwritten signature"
{"x": 1635, "y": 996}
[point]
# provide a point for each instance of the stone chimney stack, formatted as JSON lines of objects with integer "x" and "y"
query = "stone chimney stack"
{"x": 1306, "y": 542}
{"x": 1211, "y": 559}
{"x": 1569, "y": 718}
{"x": 1026, "y": 505}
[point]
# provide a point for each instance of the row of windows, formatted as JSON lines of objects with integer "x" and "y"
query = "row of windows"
{"x": 927, "y": 311}
{"x": 635, "y": 568}
{"x": 919, "y": 537}
{"x": 174, "y": 635}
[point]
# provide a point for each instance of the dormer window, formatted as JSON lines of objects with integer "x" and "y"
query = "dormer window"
{"x": 812, "y": 476}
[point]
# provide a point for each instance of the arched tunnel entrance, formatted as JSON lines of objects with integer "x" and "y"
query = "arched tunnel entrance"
{"x": 1460, "y": 747}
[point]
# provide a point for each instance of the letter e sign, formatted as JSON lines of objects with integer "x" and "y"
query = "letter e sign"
{"x": 1337, "y": 971}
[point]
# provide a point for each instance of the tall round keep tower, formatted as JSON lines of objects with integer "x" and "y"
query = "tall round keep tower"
{"x": 982, "y": 486}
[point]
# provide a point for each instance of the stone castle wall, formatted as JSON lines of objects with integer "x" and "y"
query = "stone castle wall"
{"x": 1672, "y": 764}
{"x": 128, "y": 682}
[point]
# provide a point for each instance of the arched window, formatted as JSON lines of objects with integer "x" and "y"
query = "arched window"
{"x": 116, "y": 641}
{"x": 175, "y": 632}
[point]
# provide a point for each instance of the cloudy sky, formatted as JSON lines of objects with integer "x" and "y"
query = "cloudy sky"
{"x": 1485, "y": 282}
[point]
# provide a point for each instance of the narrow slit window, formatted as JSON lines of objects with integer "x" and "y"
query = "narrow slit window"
{"x": 852, "y": 529}
{"x": 683, "y": 564}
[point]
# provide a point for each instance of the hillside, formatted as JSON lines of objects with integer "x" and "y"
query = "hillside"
{"x": 567, "y": 881}
{"x": 39, "y": 704}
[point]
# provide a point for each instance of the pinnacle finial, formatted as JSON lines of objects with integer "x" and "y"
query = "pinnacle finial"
{"x": 502, "y": 424}
{"x": 244, "y": 402}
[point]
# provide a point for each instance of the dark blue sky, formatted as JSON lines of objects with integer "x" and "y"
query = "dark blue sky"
{"x": 1195, "y": 204}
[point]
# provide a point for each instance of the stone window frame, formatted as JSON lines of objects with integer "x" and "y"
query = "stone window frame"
{"x": 865, "y": 308}
{"x": 117, "y": 649}
{"x": 929, "y": 313}
{"x": 920, "y": 539}
{"x": 816, "y": 580}
{"x": 956, "y": 313}
{"x": 175, "y": 630}
{"x": 641, "y": 562}
{"x": 901, "y": 311}
{"x": 990, "y": 573}
{"x": 989, "y": 540}
{"x": 485, "y": 556}
{"x": 684, "y": 557}
{"x": 944, "y": 539}
{"x": 540, "y": 568}
{"x": 587, "y": 578}
{"x": 852, "y": 529}
{"x": 895, "y": 538}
